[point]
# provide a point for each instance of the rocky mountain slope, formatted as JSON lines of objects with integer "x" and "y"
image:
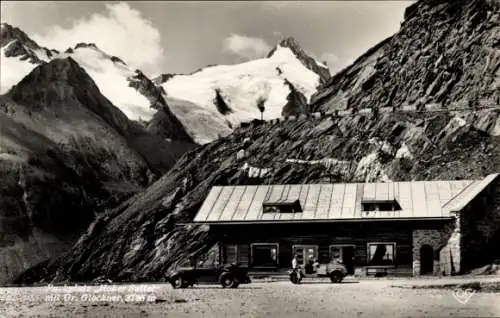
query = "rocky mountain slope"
{"x": 142, "y": 239}
{"x": 286, "y": 70}
{"x": 66, "y": 154}
{"x": 446, "y": 52}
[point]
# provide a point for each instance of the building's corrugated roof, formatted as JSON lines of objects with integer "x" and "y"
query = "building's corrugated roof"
{"x": 461, "y": 199}
{"x": 328, "y": 202}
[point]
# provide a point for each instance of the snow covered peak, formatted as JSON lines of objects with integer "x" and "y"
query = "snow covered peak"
{"x": 20, "y": 45}
{"x": 9, "y": 33}
{"x": 291, "y": 43}
{"x": 113, "y": 78}
{"x": 240, "y": 87}
{"x": 304, "y": 57}
{"x": 287, "y": 75}
{"x": 19, "y": 55}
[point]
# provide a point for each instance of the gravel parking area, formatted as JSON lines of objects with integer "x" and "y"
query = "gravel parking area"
{"x": 369, "y": 298}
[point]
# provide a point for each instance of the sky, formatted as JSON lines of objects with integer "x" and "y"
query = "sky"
{"x": 183, "y": 36}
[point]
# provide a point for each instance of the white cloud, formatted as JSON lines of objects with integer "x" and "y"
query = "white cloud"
{"x": 120, "y": 31}
{"x": 246, "y": 47}
{"x": 331, "y": 60}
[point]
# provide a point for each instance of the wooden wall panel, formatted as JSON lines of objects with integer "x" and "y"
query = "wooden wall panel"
{"x": 324, "y": 235}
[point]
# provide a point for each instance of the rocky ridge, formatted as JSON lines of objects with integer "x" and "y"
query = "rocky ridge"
{"x": 22, "y": 46}
{"x": 446, "y": 53}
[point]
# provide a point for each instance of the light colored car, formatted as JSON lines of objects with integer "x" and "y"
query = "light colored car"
{"x": 336, "y": 271}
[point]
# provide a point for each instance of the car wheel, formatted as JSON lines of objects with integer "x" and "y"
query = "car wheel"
{"x": 177, "y": 282}
{"x": 235, "y": 285}
{"x": 336, "y": 277}
{"x": 227, "y": 280}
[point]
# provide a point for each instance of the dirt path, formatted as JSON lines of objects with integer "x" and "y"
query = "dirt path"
{"x": 374, "y": 298}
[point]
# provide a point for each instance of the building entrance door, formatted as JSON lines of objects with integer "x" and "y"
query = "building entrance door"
{"x": 426, "y": 260}
{"x": 344, "y": 253}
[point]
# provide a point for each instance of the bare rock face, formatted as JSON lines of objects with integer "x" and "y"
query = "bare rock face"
{"x": 296, "y": 102}
{"x": 446, "y": 52}
{"x": 164, "y": 123}
{"x": 66, "y": 155}
{"x": 82, "y": 44}
{"x": 141, "y": 239}
{"x": 20, "y": 45}
{"x": 162, "y": 78}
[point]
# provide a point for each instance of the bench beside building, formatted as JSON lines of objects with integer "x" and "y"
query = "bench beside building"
{"x": 405, "y": 228}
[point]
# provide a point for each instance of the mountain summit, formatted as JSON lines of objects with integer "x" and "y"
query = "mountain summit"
{"x": 291, "y": 43}
{"x": 287, "y": 70}
{"x": 19, "y": 55}
{"x": 22, "y": 46}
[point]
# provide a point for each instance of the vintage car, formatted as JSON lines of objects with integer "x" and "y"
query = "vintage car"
{"x": 229, "y": 276}
{"x": 336, "y": 271}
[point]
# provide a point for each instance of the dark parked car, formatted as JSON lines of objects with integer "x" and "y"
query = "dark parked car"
{"x": 334, "y": 270}
{"x": 229, "y": 276}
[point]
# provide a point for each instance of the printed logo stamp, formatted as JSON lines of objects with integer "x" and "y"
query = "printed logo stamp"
{"x": 463, "y": 295}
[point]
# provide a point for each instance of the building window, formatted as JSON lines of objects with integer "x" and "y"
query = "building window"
{"x": 282, "y": 207}
{"x": 369, "y": 206}
{"x": 380, "y": 254}
{"x": 264, "y": 255}
{"x": 229, "y": 254}
{"x": 305, "y": 253}
{"x": 383, "y": 206}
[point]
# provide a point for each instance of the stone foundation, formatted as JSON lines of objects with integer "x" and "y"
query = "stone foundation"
{"x": 450, "y": 254}
{"x": 445, "y": 245}
{"x": 480, "y": 222}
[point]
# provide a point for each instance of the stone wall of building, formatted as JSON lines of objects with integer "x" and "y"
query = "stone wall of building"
{"x": 421, "y": 238}
{"x": 450, "y": 253}
{"x": 445, "y": 246}
{"x": 480, "y": 222}
{"x": 467, "y": 242}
